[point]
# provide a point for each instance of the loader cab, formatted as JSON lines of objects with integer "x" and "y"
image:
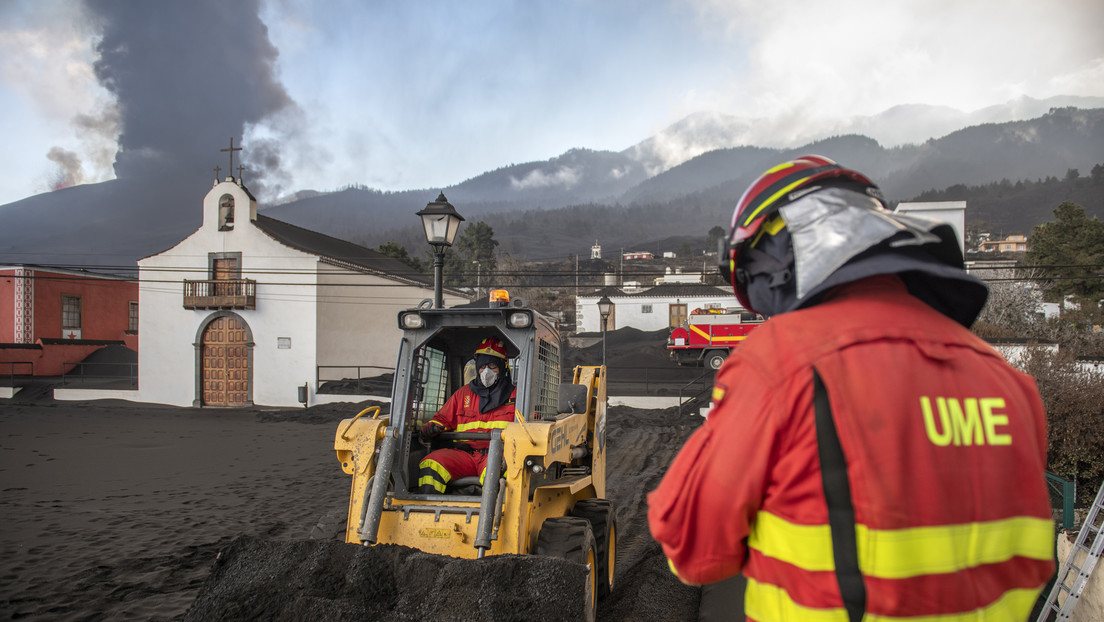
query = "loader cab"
{"x": 436, "y": 359}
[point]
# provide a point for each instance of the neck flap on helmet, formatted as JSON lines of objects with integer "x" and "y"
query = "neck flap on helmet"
{"x": 836, "y": 235}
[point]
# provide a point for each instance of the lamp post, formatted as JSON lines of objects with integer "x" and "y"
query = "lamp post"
{"x": 605, "y": 305}
{"x": 441, "y": 222}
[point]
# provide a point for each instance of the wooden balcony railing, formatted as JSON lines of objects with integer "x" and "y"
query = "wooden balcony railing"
{"x": 220, "y": 294}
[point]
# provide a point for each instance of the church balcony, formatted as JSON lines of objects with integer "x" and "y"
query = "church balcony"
{"x": 220, "y": 294}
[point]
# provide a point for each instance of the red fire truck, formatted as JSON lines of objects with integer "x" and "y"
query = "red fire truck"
{"x": 709, "y": 335}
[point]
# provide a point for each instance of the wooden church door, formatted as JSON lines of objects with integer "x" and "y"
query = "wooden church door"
{"x": 225, "y": 373}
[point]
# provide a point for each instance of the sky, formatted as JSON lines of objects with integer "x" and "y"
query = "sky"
{"x": 399, "y": 95}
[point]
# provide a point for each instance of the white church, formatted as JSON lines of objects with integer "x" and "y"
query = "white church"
{"x": 249, "y": 309}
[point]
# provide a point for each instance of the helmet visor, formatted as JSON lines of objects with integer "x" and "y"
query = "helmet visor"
{"x": 831, "y": 226}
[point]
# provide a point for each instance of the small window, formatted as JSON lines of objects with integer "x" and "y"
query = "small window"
{"x": 429, "y": 384}
{"x": 70, "y": 313}
{"x": 132, "y": 323}
{"x": 548, "y": 379}
{"x": 645, "y": 308}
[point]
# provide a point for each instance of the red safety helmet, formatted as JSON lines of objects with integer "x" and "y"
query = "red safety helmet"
{"x": 492, "y": 346}
{"x": 763, "y": 198}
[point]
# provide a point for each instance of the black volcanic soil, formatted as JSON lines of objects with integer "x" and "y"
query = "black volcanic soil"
{"x": 114, "y": 510}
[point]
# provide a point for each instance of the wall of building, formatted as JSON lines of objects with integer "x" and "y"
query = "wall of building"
{"x": 105, "y": 304}
{"x": 358, "y": 321}
{"x": 7, "y": 307}
{"x": 53, "y": 360}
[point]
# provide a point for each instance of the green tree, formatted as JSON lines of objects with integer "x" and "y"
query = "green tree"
{"x": 398, "y": 251}
{"x": 716, "y": 234}
{"x": 472, "y": 258}
{"x": 1075, "y": 418}
{"x": 1070, "y": 250}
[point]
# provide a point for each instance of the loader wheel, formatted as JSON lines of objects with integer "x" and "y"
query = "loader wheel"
{"x": 570, "y": 538}
{"x": 715, "y": 359}
{"x": 599, "y": 513}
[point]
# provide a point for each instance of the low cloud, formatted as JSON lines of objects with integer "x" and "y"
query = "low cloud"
{"x": 563, "y": 176}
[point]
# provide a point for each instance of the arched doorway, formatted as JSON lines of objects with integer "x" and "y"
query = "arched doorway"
{"x": 225, "y": 357}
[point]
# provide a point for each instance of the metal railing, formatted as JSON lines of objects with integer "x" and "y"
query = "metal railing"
{"x": 220, "y": 294}
{"x": 11, "y": 366}
{"x": 1063, "y": 494}
{"x": 705, "y": 387}
{"x": 79, "y": 372}
{"x": 359, "y": 370}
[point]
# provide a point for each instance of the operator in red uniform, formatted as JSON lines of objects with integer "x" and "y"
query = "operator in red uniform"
{"x": 865, "y": 453}
{"x": 484, "y": 404}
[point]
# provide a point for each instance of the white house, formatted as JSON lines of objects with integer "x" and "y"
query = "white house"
{"x": 656, "y": 308}
{"x": 950, "y": 212}
{"x": 248, "y": 308}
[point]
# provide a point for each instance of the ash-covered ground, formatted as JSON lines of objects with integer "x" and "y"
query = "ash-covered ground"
{"x": 114, "y": 510}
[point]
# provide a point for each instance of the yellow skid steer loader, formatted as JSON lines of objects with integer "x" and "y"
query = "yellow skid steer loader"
{"x": 545, "y": 482}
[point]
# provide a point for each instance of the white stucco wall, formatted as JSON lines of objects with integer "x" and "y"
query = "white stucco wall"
{"x": 358, "y": 320}
{"x": 628, "y": 310}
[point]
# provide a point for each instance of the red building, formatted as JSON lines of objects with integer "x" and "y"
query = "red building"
{"x": 52, "y": 316}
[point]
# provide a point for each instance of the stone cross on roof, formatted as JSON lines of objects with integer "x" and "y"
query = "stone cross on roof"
{"x": 232, "y": 149}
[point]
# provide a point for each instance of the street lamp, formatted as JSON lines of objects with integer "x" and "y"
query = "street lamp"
{"x": 441, "y": 222}
{"x": 605, "y": 305}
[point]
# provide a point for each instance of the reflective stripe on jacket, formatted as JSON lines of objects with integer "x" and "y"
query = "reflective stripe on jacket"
{"x": 461, "y": 414}
{"x": 945, "y": 446}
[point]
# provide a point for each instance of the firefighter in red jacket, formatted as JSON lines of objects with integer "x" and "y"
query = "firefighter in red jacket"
{"x": 865, "y": 454}
{"x": 484, "y": 404}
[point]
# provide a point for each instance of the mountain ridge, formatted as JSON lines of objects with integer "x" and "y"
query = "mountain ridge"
{"x": 118, "y": 221}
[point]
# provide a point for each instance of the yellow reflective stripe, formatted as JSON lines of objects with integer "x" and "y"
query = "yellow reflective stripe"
{"x": 464, "y": 427}
{"x": 1012, "y": 605}
{"x": 718, "y": 393}
{"x": 903, "y": 553}
{"x": 772, "y": 199}
{"x": 777, "y": 167}
{"x": 808, "y": 547}
{"x": 771, "y": 227}
{"x": 671, "y": 566}
{"x": 443, "y": 476}
{"x": 716, "y": 338}
{"x": 764, "y": 601}
{"x": 432, "y": 481}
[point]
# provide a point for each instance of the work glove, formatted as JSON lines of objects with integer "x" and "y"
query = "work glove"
{"x": 430, "y": 430}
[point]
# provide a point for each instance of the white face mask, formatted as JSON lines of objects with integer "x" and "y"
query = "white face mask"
{"x": 488, "y": 376}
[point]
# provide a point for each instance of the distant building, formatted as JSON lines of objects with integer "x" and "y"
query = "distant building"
{"x": 1015, "y": 243}
{"x": 52, "y": 316}
{"x": 596, "y": 251}
{"x": 637, "y": 255}
{"x": 678, "y": 276}
{"x": 950, "y": 212}
{"x": 669, "y": 255}
{"x": 655, "y": 308}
